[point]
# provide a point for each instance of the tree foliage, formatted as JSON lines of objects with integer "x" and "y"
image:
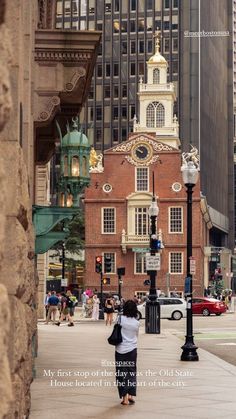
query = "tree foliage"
{"x": 75, "y": 241}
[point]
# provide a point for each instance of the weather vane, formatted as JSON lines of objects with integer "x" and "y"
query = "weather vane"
{"x": 157, "y": 37}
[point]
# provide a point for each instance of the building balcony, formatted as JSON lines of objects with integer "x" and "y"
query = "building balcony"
{"x": 133, "y": 240}
{"x": 172, "y": 130}
{"x": 165, "y": 87}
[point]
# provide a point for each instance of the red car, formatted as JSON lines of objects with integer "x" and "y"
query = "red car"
{"x": 207, "y": 306}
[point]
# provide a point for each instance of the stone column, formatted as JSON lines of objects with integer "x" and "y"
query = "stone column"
{"x": 42, "y": 198}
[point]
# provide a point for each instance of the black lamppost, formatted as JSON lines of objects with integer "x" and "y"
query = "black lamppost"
{"x": 190, "y": 178}
{"x": 152, "y": 312}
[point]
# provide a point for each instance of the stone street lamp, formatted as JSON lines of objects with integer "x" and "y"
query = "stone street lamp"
{"x": 190, "y": 178}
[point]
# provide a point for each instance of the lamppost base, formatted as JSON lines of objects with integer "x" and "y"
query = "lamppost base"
{"x": 152, "y": 317}
{"x": 189, "y": 351}
{"x": 101, "y": 314}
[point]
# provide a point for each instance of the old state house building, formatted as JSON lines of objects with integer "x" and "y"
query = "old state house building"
{"x": 117, "y": 202}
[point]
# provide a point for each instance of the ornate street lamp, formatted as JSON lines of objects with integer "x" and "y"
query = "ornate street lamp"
{"x": 74, "y": 177}
{"x": 152, "y": 310}
{"x": 190, "y": 178}
{"x": 74, "y": 167}
{"x": 153, "y": 213}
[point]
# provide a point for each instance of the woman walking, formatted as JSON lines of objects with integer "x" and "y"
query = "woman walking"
{"x": 126, "y": 354}
{"x": 109, "y": 310}
{"x": 96, "y": 302}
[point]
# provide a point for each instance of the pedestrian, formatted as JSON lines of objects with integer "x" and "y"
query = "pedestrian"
{"x": 135, "y": 299}
{"x": 109, "y": 309}
{"x": 96, "y": 302}
{"x": 70, "y": 302}
{"x": 230, "y": 301}
{"x": 53, "y": 302}
{"x": 46, "y": 303}
{"x": 126, "y": 354}
{"x": 66, "y": 305}
{"x": 84, "y": 299}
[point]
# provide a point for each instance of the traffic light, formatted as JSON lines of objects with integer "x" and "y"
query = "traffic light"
{"x": 98, "y": 264}
{"x": 107, "y": 264}
{"x": 106, "y": 281}
{"x": 156, "y": 244}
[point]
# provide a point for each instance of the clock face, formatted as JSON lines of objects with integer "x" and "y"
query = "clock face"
{"x": 142, "y": 152}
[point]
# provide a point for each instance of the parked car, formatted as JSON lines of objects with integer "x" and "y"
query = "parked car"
{"x": 170, "y": 308}
{"x": 207, "y": 306}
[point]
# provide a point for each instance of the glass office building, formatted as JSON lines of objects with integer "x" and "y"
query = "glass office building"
{"x": 128, "y": 27}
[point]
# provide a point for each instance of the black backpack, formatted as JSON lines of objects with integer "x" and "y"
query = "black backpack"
{"x": 69, "y": 302}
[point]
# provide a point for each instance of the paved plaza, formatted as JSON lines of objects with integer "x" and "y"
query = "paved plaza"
{"x": 75, "y": 377}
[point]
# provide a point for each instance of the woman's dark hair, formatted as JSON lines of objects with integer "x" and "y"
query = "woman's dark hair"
{"x": 130, "y": 309}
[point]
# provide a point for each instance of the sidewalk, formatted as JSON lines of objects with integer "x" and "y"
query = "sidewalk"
{"x": 167, "y": 387}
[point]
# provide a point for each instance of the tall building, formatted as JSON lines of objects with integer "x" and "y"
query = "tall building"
{"x": 206, "y": 106}
{"x": 128, "y": 28}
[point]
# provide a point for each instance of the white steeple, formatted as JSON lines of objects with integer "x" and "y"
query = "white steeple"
{"x": 156, "y": 101}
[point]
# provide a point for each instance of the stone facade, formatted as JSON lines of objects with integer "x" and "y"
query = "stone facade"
{"x": 17, "y": 272}
{"x": 30, "y": 99}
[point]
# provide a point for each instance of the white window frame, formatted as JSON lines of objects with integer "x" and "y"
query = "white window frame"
{"x": 169, "y": 220}
{"x": 156, "y": 76}
{"x": 143, "y": 261}
{"x": 102, "y": 219}
{"x": 182, "y": 260}
{"x": 136, "y": 179}
{"x": 113, "y": 264}
{"x": 136, "y": 223}
{"x": 155, "y": 115}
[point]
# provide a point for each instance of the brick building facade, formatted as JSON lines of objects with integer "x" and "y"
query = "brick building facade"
{"x": 117, "y": 222}
{"x": 117, "y": 202}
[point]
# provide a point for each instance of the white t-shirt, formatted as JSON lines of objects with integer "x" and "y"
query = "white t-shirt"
{"x": 129, "y": 331}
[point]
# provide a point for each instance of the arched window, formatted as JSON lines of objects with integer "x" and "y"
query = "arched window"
{"x": 155, "y": 115}
{"x": 156, "y": 76}
{"x": 160, "y": 115}
{"x": 150, "y": 116}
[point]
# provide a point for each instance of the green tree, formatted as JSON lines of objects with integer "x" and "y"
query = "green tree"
{"x": 75, "y": 242}
{"x": 76, "y": 236}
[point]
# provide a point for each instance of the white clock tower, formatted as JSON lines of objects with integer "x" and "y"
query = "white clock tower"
{"x": 156, "y": 102}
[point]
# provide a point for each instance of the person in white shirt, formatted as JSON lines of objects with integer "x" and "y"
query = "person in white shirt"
{"x": 126, "y": 354}
{"x": 95, "y": 313}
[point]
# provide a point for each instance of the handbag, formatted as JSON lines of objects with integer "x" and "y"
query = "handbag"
{"x": 116, "y": 336}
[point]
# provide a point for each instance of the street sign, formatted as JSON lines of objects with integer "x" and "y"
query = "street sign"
{"x": 192, "y": 265}
{"x": 153, "y": 263}
{"x": 64, "y": 282}
{"x": 140, "y": 249}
